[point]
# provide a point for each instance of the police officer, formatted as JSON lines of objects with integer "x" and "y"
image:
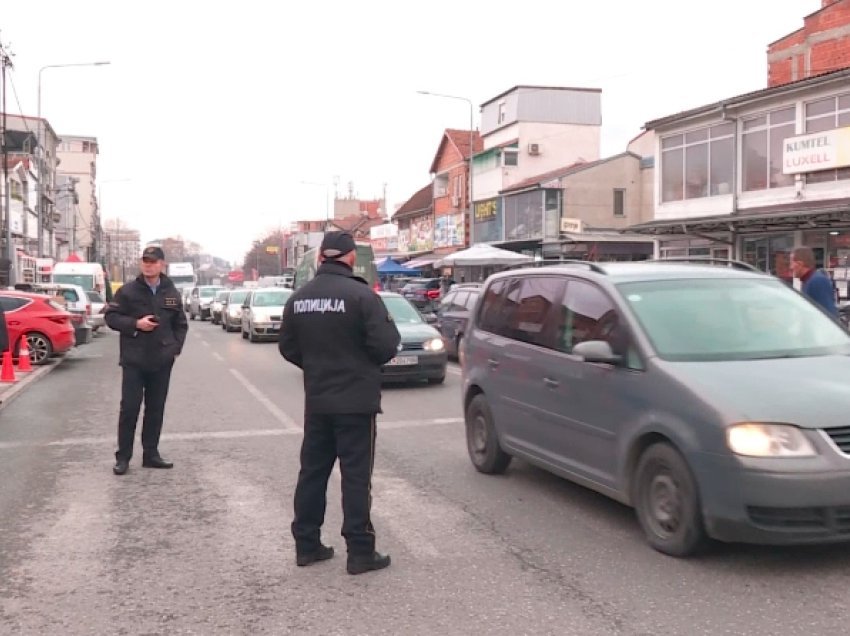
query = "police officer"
{"x": 339, "y": 332}
{"x": 148, "y": 313}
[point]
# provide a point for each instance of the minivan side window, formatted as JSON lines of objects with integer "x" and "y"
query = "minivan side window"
{"x": 491, "y": 304}
{"x": 535, "y": 320}
{"x": 589, "y": 314}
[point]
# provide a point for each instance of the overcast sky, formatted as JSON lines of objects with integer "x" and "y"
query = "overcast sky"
{"x": 212, "y": 112}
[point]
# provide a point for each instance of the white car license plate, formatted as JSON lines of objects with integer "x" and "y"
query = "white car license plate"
{"x": 403, "y": 361}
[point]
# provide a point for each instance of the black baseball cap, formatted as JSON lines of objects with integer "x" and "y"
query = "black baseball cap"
{"x": 337, "y": 244}
{"x": 153, "y": 253}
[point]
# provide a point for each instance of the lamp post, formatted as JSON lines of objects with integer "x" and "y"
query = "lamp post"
{"x": 40, "y": 161}
{"x": 471, "y": 151}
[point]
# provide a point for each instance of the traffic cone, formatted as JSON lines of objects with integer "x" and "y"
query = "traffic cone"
{"x": 24, "y": 363}
{"x": 7, "y": 374}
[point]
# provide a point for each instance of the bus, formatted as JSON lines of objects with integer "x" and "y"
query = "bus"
{"x": 364, "y": 267}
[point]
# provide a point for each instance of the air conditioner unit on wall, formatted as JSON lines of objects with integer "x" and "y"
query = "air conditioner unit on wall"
{"x": 534, "y": 149}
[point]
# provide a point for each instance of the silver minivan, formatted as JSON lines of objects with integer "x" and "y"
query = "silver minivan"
{"x": 712, "y": 399}
{"x": 262, "y": 313}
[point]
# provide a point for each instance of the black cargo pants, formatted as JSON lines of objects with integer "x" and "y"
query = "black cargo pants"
{"x": 152, "y": 387}
{"x": 351, "y": 438}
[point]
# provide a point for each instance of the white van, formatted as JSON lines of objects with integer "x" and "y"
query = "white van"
{"x": 89, "y": 276}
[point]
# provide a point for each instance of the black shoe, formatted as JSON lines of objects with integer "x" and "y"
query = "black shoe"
{"x": 121, "y": 466}
{"x": 156, "y": 462}
{"x": 322, "y": 554}
{"x": 362, "y": 564}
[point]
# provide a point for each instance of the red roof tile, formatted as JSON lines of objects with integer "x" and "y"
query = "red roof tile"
{"x": 460, "y": 140}
{"x": 422, "y": 201}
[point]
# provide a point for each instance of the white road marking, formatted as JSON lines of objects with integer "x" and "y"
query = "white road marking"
{"x": 223, "y": 435}
{"x": 205, "y": 343}
{"x": 279, "y": 415}
{"x": 218, "y": 356}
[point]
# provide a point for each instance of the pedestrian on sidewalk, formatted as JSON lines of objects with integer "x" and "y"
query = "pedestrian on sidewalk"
{"x": 817, "y": 285}
{"x": 148, "y": 312}
{"x": 339, "y": 332}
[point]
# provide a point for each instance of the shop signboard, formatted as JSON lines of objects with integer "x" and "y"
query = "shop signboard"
{"x": 421, "y": 234}
{"x": 818, "y": 151}
{"x": 487, "y": 221}
{"x": 404, "y": 240}
{"x": 448, "y": 230}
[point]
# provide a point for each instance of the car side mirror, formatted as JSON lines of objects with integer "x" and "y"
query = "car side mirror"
{"x": 597, "y": 352}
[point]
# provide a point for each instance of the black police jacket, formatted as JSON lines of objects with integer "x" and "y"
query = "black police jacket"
{"x": 338, "y": 330}
{"x": 149, "y": 350}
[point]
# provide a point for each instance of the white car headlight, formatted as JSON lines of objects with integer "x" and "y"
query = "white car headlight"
{"x": 768, "y": 440}
{"x": 435, "y": 344}
{"x": 260, "y": 317}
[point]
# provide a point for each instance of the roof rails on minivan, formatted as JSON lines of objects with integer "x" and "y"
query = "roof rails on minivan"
{"x": 546, "y": 262}
{"x": 707, "y": 260}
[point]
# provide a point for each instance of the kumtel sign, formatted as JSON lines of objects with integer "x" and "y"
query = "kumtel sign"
{"x": 818, "y": 151}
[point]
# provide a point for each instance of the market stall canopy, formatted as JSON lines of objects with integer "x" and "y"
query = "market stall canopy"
{"x": 483, "y": 254}
{"x": 390, "y": 268}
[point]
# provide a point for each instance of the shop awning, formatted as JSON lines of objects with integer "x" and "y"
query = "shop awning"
{"x": 807, "y": 216}
{"x": 423, "y": 261}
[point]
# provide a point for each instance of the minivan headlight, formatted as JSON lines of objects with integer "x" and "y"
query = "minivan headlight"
{"x": 768, "y": 440}
{"x": 435, "y": 344}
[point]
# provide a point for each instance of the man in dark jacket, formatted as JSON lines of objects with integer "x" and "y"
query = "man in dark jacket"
{"x": 816, "y": 284}
{"x": 148, "y": 313}
{"x": 338, "y": 331}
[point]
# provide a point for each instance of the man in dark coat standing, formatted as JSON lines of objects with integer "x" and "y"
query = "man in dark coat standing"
{"x": 148, "y": 313}
{"x": 338, "y": 331}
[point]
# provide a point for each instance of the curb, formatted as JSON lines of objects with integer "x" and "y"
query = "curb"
{"x": 7, "y": 396}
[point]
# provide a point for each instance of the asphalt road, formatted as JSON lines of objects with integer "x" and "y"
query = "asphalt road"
{"x": 205, "y": 548}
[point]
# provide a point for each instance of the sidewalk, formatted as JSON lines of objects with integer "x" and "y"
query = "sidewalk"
{"x": 9, "y": 392}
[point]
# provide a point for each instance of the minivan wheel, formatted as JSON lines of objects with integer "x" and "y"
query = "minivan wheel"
{"x": 667, "y": 502}
{"x": 482, "y": 442}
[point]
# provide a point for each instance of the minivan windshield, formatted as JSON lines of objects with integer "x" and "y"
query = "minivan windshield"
{"x": 208, "y": 292}
{"x": 86, "y": 281}
{"x": 401, "y": 310}
{"x": 732, "y": 319}
{"x": 237, "y": 297}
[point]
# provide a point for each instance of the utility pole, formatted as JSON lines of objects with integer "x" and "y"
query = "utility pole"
{"x": 9, "y": 252}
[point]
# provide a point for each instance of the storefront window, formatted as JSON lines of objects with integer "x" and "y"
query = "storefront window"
{"x": 762, "y": 149}
{"x": 827, "y": 114}
{"x": 698, "y": 163}
{"x": 487, "y": 221}
{"x": 553, "y": 213}
{"x": 524, "y": 216}
{"x": 771, "y": 254}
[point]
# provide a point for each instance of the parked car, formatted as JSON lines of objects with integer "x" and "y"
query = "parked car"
{"x": 231, "y": 309}
{"x": 98, "y": 310}
{"x": 424, "y": 293}
{"x": 216, "y": 305}
{"x": 201, "y": 300}
{"x": 46, "y": 324}
{"x": 262, "y": 312}
{"x": 422, "y": 355}
{"x": 711, "y": 399}
{"x": 453, "y": 315}
{"x": 74, "y": 299}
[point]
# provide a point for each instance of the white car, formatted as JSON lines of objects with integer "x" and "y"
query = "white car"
{"x": 98, "y": 310}
{"x": 262, "y": 313}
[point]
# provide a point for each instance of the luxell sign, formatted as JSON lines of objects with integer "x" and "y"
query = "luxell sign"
{"x": 818, "y": 151}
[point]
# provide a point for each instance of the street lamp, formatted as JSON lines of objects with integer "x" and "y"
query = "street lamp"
{"x": 471, "y": 151}
{"x": 41, "y": 168}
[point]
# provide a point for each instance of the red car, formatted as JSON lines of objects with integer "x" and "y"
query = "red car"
{"x": 46, "y": 324}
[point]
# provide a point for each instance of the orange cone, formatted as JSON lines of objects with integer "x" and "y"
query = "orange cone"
{"x": 24, "y": 363}
{"x": 7, "y": 375}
